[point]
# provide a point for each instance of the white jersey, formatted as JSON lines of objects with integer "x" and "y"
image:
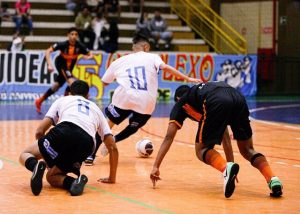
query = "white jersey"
{"x": 137, "y": 76}
{"x": 80, "y": 111}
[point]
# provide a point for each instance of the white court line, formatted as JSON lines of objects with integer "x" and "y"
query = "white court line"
{"x": 298, "y": 138}
{"x": 274, "y": 107}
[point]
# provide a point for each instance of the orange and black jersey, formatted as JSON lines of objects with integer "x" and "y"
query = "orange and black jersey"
{"x": 69, "y": 53}
{"x": 191, "y": 104}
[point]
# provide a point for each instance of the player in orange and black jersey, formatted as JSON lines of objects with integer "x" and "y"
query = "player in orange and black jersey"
{"x": 64, "y": 63}
{"x": 215, "y": 105}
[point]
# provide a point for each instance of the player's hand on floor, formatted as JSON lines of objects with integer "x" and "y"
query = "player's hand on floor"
{"x": 154, "y": 176}
{"x": 106, "y": 180}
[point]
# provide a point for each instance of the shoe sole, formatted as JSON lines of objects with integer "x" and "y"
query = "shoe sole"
{"x": 78, "y": 185}
{"x": 36, "y": 182}
{"x": 88, "y": 163}
{"x": 231, "y": 180}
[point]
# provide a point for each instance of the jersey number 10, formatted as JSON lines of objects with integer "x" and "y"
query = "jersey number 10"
{"x": 137, "y": 78}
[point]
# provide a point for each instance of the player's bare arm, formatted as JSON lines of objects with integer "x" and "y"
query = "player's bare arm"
{"x": 89, "y": 55}
{"x": 113, "y": 159}
{"x": 177, "y": 73}
{"x": 227, "y": 146}
{"x": 164, "y": 148}
{"x": 48, "y": 59}
{"x": 43, "y": 127}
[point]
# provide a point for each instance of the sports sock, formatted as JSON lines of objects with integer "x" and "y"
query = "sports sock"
{"x": 263, "y": 166}
{"x": 213, "y": 158}
{"x": 30, "y": 163}
{"x": 68, "y": 182}
{"x": 48, "y": 93}
{"x": 129, "y": 130}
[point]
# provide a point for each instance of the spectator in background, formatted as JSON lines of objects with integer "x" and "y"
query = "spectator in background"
{"x": 92, "y": 5}
{"x": 98, "y": 25}
{"x": 83, "y": 22}
{"x": 143, "y": 25}
{"x": 23, "y": 16}
{"x": 18, "y": 44}
{"x": 158, "y": 27}
{"x": 112, "y": 6}
{"x": 110, "y": 37}
{"x": 70, "y": 5}
{"x": 4, "y": 13}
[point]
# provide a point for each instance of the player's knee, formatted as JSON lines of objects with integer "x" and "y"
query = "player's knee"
{"x": 254, "y": 157}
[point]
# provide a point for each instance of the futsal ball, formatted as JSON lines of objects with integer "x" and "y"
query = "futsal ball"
{"x": 144, "y": 148}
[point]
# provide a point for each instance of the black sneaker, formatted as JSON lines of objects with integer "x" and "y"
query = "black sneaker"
{"x": 230, "y": 173}
{"x": 89, "y": 161}
{"x": 275, "y": 186}
{"x": 36, "y": 182}
{"x": 78, "y": 185}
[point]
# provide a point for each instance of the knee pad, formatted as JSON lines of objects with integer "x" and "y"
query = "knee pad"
{"x": 254, "y": 157}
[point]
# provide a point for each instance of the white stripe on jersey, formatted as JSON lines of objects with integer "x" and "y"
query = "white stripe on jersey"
{"x": 80, "y": 111}
{"x": 137, "y": 76}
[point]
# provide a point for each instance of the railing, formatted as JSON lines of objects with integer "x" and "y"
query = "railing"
{"x": 210, "y": 26}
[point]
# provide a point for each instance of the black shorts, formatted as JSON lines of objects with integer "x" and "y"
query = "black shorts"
{"x": 117, "y": 115}
{"x": 63, "y": 73}
{"x": 66, "y": 146}
{"x": 222, "y": 107}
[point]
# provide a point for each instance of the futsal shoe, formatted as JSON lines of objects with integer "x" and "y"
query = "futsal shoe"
{"x": 89, "y": 161}
{"x": 104, "y": 151}
{"x": 78, "y": 185}
{"x": 38, "y": 105}
{"x": 36, "y": 182}
{"x": 230, "y": 173}
{"x": 275, "y": 186}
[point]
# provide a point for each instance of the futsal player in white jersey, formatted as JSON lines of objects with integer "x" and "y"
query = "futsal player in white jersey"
{"x": 137, "y": 76}
{"x": 72, "y": 139}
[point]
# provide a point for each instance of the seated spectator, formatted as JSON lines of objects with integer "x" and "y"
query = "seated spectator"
{"x": 158, "y": 28}
{"x": 83, "y": 22}
{"x": 70, "y": 5}
{"x": 143, "y": 25}
{"x": 92, "y": 5}
{"x": 110, "y": 37}
{"x": 23, "y": 16}
{"x": 18, "y": 44}
{"x": 111, "y": 6}
{"x": 4, "y": 13}
{"x": 136, "y": 5}
{"x": 98, "y": 25}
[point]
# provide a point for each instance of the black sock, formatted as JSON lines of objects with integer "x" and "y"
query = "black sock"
{"x": 125, "y": 133}
{"x": 48, "y": 93}
{"x": 30, "y": 163}
{"x": 68, "y": 182}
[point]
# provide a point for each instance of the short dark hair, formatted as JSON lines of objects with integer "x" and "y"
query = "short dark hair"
{"x": 79, "y": 87}
{"x": 139, "y": 37}
{"x": 72, "y": 29}
{"x": 180, "y": 91}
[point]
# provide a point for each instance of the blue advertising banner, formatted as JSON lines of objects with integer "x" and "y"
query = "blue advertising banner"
{"x": 24, "y": 75}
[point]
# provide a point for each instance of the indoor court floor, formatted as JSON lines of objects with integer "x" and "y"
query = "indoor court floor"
{"x": 187, "y": 185}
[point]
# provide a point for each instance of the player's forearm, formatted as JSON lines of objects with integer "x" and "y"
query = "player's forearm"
{"x": 113, "y": 161}
{"x": 47, "y": 56}
{"x": 175, "y": 72}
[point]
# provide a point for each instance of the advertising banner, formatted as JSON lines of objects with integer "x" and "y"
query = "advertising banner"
{"x": 24, "y": 75}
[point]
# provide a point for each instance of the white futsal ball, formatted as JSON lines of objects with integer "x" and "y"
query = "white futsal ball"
{"x": 144, "y": 148}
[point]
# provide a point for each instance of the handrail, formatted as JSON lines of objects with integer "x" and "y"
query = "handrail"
{"x": 222, "y": 37}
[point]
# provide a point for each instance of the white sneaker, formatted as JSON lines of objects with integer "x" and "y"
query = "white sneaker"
{"x": 104, "y": 150}
{"x": 229, "y": 174}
